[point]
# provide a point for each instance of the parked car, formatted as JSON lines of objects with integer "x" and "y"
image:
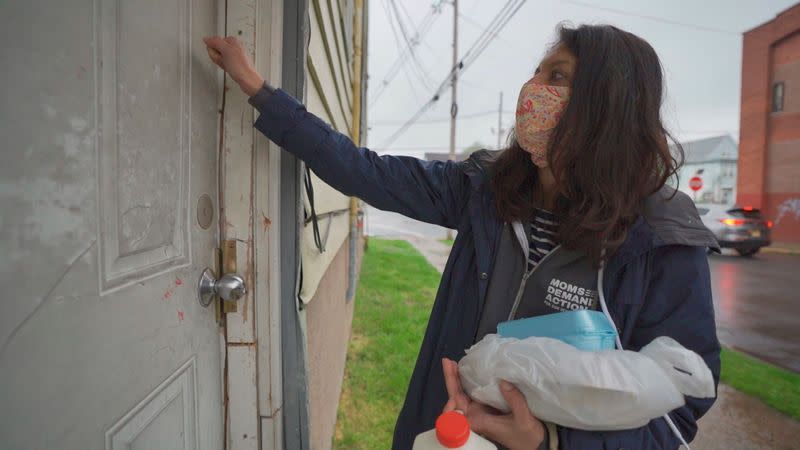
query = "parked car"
{"x": 742, "y": 228}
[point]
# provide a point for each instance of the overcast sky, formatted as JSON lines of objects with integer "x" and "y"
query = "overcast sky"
{"x": 702, "y": 62}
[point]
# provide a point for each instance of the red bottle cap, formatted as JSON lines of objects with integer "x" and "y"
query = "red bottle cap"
{"x": 452, "y": 429}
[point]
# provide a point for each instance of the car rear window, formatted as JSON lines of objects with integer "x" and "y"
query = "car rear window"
{"x": 746, "y": 213}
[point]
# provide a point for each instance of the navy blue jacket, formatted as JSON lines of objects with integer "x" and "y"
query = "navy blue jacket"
{"x": 656, "y": 284}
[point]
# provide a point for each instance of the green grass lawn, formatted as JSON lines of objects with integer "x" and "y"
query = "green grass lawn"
{"x": 776, "y": 387}
{"x": 393, "y": 302}
{"x": 394, "y": 298}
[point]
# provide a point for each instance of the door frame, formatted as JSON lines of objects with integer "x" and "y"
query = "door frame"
{"x": 293, "y": 336}
{"x": 266, "y": 401}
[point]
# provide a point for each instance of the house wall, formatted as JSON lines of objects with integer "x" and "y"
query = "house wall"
{"x": 769, "y": 144}
{"x": 719, "y": 181}
{"x": 328, "y": 318}
{"x": 330, "y": 95}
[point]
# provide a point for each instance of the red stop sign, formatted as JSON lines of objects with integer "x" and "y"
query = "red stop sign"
{"x": 696, "y": 183}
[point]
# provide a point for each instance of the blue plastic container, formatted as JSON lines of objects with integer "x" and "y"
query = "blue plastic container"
{"x": 587, "y": 330}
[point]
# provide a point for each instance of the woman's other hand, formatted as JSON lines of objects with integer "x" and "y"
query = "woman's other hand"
{"x": 517, "y": 430}
{"x": 230, "y": 55}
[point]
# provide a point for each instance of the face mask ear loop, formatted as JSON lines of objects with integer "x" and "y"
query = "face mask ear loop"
{"x": 602, "y": 297}
{"x": 604, "y": 307}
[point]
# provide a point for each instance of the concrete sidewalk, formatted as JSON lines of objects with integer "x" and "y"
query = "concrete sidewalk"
{"x": 785, "y": 248}
{"x": 735, "y": 422}
{"x": 740, "y": 422}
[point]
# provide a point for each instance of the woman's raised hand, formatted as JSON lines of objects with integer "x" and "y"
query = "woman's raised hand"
{"x": 230, "y": 55}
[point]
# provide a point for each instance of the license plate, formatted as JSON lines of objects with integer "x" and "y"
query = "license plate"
{"x": 755, "y": 233}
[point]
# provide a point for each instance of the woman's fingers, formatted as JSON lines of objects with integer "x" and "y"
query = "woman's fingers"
{"x": 513, "y": 431}
{"x": 215, "y": 46}
{"x": 452, "y": 380}
{"x": 484, "y": 422}
{"x": 233, "y": 41}
{"x": 231, "y": 56}
{"x": 215, "y": 42}
{"x": 457, "y": 396}
{"x": 215, "y": 55}
{"x": 451, "y": 383}
{"x": 516, "y": 401}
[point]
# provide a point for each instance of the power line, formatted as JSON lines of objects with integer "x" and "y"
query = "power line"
{"x": 402, "y": 54}
{"x": 420, "y": 31}
{"x": 405, "y": 11}
{"x": 653, "y": 18}
{"x": 424, "y": 76}
{"x": 380, "y": 123}
{"x": 490, "y": 36}
{"x": 470, "y": 56}
{"x": 477, "y": 85}
{"x": 397, "y": 40}
{"x": 485, "y": 37}
{"x": 416, "y": 38}
{"x": 458, "y": 67}
{"x": 478, "y": 25}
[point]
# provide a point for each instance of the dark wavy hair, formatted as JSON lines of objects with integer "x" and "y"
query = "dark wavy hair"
{"x": 608, "y": 152}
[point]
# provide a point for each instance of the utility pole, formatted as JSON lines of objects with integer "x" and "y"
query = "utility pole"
{"x": 500, "y": 121}
{"x": 453, "y": 84}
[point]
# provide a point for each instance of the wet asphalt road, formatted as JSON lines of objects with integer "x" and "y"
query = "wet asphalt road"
{"x": 757, "y": 299}
{"x": 757, "y": 302}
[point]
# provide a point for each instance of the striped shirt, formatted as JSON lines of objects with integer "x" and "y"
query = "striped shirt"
{"x": 542, "y": 236}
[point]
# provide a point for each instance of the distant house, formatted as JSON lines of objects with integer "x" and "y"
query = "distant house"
{"x": 714, "y": 161}
{"x": 433, "y": 156}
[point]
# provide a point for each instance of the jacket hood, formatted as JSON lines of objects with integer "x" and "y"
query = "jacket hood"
{"x": 673, "y": 218}
{"x": 670, "y": 214}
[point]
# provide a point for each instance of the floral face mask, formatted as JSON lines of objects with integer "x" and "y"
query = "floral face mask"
{"x": 539, "y": 109}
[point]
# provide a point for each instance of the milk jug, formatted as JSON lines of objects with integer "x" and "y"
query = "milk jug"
{"x": 451, "y": 432}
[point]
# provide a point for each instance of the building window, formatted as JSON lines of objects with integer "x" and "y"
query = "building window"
{"x": 728, "y": 170}
{"x": 777, "y": 97}
{"x": 727, "y": 193}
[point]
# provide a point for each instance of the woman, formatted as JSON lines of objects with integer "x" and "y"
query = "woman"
{"x": 575, "y": 205}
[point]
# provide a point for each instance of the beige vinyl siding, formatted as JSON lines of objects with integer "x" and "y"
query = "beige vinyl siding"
{"x": 341, "y": 50}
{"x": 329, "y": 95}
{"x": 326, "y": 276}
{"x": 346, "y": 8}
{"x": 334, "y": 82}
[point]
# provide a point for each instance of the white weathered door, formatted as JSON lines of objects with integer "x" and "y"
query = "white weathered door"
{"x": 108, "y": 214}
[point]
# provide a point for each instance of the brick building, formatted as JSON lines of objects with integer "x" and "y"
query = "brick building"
{"x": 769, "y": 143}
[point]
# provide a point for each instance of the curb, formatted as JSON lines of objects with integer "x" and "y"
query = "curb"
{"x": 781, "y": 250}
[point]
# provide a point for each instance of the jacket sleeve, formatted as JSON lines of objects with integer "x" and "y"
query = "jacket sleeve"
{"x": 678, "y": 303}
{"x": 430, "y": 191}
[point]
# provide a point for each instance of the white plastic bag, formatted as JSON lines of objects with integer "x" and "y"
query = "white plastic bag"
{"x": 605, "y": 390}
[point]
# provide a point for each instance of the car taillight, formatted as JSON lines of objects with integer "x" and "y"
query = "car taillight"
{"x": 769, "y": 224}
{"x": 732, "y": 222}
{"x": 748, "y": 208}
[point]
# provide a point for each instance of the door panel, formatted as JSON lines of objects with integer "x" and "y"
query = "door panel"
{"x": 109, "y": 122}
{"x": 166, "y": 419}
{"x": 144, "y": 118}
